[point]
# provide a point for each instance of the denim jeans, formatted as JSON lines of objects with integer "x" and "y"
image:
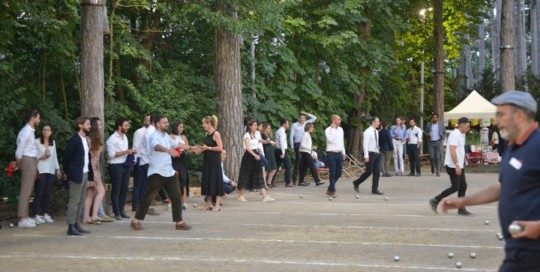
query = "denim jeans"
{"x": 140, "y": 184}
{"x": 120, "y": 180}
{"x": 286, "y": 163}
{"x": 335, "y": 163}
{"x": 42, "y": 193}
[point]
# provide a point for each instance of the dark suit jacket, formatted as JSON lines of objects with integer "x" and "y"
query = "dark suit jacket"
{"x": 385, "y": 141}
{"x": 73, "y": 161}
{"x": 442, "y": 131}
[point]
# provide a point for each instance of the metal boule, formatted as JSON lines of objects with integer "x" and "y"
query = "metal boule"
{"x": 459, "y": 264}
{"x": 396, "y": 258}
{"x": 472, "y": 255}
{"x": 450, "y": 255}
{"x": 515, "y": 229}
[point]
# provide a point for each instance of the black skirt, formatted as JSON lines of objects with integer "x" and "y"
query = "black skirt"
{"x": 251, "y": 175}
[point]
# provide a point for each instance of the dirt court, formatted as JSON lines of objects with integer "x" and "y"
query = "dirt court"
{"x": 301, "y": 231}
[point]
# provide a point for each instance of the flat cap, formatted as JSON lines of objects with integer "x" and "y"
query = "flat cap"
{"x": 520, "y": 99}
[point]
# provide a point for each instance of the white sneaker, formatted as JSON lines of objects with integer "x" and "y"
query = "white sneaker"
{"x": 38, "y": 219}
{"x": 26, "y": 223}
{"x": 47, "y": 218}
{"x": 241, "y": 199}
{"x": 268, "y": 199}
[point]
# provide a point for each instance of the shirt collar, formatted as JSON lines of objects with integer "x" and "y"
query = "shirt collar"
{"x": 525, "y": 136}
{"x": 31, "y": 129}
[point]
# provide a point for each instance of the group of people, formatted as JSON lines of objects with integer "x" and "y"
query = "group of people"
{"x": 158, "y": 158}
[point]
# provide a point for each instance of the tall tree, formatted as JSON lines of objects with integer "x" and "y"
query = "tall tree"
{"x": 520, "y": 50}
{"x": 535, "y": 36}
{"x": 507, "y": 41}
{"x": 495, "y": 33}
{"x": 438, "y": 34}
{"x": 229, "y": 86}
{"x": 92, "y": 74}
{"x": 481, "y": 50}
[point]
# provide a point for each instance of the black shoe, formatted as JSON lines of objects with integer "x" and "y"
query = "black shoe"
{"x": 72, "y": 231}
{"x": 118, "y": 217}
{"x": 464, "y": 212}
{"x": 79, "y": 229}
{"x": 434, "y": 203}
{"x": 303, "y": 184}
{"x": 418, "y": 175}
{"x": 377, "y": 192}
{"x": 386, "y": 175}
{"x": 432, "y": 170}
{"x": 355, "y": 186}
{"x": 438, "y": 174}
{"x": 319, "y": 183}
{"x": 410, "y": 175}
{"x": 123, "y": 215}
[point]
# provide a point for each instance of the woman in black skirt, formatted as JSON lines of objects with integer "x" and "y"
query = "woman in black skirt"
{"x": 212, "y": 175}
{"x": 251, "y": 175}
{"x": 180, "y": 164}
{"x": 269, "y": 147}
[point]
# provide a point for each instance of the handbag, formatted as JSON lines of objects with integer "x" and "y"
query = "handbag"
{"x": 262, "y": 160}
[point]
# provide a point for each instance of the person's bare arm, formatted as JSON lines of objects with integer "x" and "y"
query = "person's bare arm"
{"x": 488, "y": 195}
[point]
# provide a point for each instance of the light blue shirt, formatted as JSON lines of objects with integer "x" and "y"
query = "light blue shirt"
{"x": 398, "y": 133}
{"x": 160, "y": 162}
{"x": 297, "y": 130}
{"x": 435, "y": 136}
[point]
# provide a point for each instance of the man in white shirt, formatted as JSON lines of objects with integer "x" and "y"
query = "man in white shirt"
{"x": 371, "y": 157}
{"x": 26, "y": 159}
{"x": 282, "y": 158}
{"x": 454, "y": 162}
{"x": 119, "y": 168}
{"x": 139, "y": 172}
{"x": 297, "y": 132}
{"x": 414, "y": 137}
{"x": 161, "y": 175}
{"x": 335, "y": 152}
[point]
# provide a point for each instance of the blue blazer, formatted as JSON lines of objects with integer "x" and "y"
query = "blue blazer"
{"x": 73, "y": 161}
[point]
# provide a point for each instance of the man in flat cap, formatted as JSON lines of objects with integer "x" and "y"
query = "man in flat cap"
{"x": 518, "y": 189}
{"x": 454, "y": 161}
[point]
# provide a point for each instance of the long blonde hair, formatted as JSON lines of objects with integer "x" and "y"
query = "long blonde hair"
{"x": 212, "y": 120}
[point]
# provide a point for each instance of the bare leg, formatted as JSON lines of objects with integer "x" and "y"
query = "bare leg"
{"x": 97, "y": 201}
{"x": 270, "y": 177}
{"x": 88, "y": 203}
{"x": 208, "y": 206}
{"x": 217, "y": 208}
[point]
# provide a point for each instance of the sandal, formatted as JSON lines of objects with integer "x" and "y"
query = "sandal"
{"x": 94, "y": 221}
{"x": 208, "y": 208}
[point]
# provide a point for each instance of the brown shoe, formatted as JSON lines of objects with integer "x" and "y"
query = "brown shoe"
{"x": 136, "y": 226}
{"x": 183, "y": 226}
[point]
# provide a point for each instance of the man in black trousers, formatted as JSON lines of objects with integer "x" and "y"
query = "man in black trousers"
{"x": 371, "y": 157}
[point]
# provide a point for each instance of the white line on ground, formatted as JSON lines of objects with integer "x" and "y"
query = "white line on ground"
{"x": 120, "y": 237}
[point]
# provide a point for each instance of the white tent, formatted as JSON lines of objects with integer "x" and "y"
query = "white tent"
{"x": 473, "y": 107}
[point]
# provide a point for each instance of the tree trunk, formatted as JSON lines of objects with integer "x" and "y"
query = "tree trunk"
{"x": 92, "y": 74}
{"x": 469, "y": 81}
{"x": 520, "y": 56}
{"x": 507, "y": 39}
{"x": 438, "y": 34}
{"x": 228, "y": 79}
{"x": 535, "y": 35}
{"x": 495, "y": 39}
{"x": 356, "y": 131}
{"x": 481, "y": 51}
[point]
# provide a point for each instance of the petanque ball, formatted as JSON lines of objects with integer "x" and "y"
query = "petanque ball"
{"x": 396, "y": 258}
{"x": 459, "y": 264}
{"x": 515, "y": 229}
{"x": 472, "y": 255}
{"x": 357, "y": 197}
{"x": 301, "y": 196}
{"x": 450, "y": 255}
{"x": 486, "y": 222}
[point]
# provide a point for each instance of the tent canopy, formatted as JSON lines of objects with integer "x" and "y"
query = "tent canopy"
{"x": 473, "y": 107}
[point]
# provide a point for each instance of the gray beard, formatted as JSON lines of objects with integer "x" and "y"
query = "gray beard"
{"x": 504, "y": 134}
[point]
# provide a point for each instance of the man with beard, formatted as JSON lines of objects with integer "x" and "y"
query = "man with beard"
{"x": 119, "y": 166}
{"x": 518, "y": 189}
{"x": 161, "y": 175}
{"x": 26, "y": 157}
{"x": 78, "y": 169}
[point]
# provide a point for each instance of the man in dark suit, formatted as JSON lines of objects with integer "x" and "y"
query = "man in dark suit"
{"x": 436, "y": 134}
{"x": 78, "y": 169}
